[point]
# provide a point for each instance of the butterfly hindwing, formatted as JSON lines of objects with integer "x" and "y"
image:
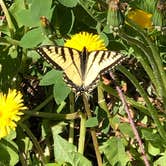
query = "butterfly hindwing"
{"x": 98, "y": 63}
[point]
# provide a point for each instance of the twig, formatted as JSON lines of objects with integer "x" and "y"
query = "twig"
{"x": 131, "y": 122}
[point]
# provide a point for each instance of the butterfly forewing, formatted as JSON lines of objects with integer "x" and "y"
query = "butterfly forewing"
{"x": 99, "y": 62}
{"x": 65, "y": 59}
{"x": 80, "y": 73}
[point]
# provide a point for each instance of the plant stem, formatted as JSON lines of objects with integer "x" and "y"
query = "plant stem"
{"x": 35, "y": 142}
{"x": 45, "y": 102}
{"x": 93, "y": 132}
{"x": 9, "y": 40}
{"x": 8, "y": 19}
{"x": 131, "y": 123}
{"x": 81, "y": 142}
{"x": 101, "y": 101}
{"x": 71, "y": 125}
{"x": 52, "y": 116}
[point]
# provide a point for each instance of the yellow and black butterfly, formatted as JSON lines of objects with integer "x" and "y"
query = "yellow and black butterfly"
{"x": 82, "y": 69}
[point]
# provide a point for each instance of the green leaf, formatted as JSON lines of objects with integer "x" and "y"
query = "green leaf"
{"x": 92, "y": 122}
{"x": 61, "y": 146}
{"x": 53, "y": 164}
{"x": 153, "y": 150}
{"x": 24, "y": 13}
{"x": 104, "y": 37}
{"x": 32, "y": 38}
{"x": 15, "y": 9}
{"x": 8, "y": 153}
{"x": 4, "y": 155}
{"x": 161, "y": 160}
{"x": 88, "y": 5}
{"x": 50, "y": 77}
{"x": 58, "y": 128}
{"x": 13, "y": 52}
{"x": 114, "y": 151}
{"x": 37, "y": 9}
{"x": 11, "y": 136}
{"x": 66, "y": 152}
{"x": 153, "y": 138}
{"x": 68, "y": 3}
{"x": 126, "y": 130}
{"x": 80, "y": 160}
{"x": 60, "y": 89}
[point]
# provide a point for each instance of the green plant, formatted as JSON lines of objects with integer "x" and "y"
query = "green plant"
{"x": 55, "y": 117}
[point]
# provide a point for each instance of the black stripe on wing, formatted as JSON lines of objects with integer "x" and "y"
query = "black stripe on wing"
{"x": 74, "y": 60}
{"x": 59, "y": 51}
{"x": 47, "y": 57}
{"x": 114, "y": 64}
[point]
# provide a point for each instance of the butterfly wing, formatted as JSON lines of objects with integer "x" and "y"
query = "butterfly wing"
{"x": 99, "y": 62}
{"x": 65, "y": 59}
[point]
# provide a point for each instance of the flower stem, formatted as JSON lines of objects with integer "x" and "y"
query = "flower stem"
{"x": 71, "y": 125}
{"x": 82, "y": 133}
{"x": 93, "y": 132}
{"x": 52, "y": 116}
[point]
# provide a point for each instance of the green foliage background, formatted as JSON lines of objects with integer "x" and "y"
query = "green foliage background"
{"x": 50, "y": 131}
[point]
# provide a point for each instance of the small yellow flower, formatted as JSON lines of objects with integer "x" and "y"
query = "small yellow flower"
{"x": 85, "y": 39}
{"x": 140, "y": 17}
{"x": 10, "y": 111}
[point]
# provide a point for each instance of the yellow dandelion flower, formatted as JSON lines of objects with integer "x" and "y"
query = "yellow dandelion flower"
{"x": 84, "y": 39}
{"x": 140, "y": 17}
{"x": 10, "y": 111}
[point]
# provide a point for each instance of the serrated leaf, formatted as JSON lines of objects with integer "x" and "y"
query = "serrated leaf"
{"x": 92, "y": 122}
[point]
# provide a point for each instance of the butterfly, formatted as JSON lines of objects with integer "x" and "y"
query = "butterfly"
{"x": 81, "y": 69}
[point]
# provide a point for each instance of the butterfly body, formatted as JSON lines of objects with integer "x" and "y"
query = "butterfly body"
{"x": 82, "y": 69}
